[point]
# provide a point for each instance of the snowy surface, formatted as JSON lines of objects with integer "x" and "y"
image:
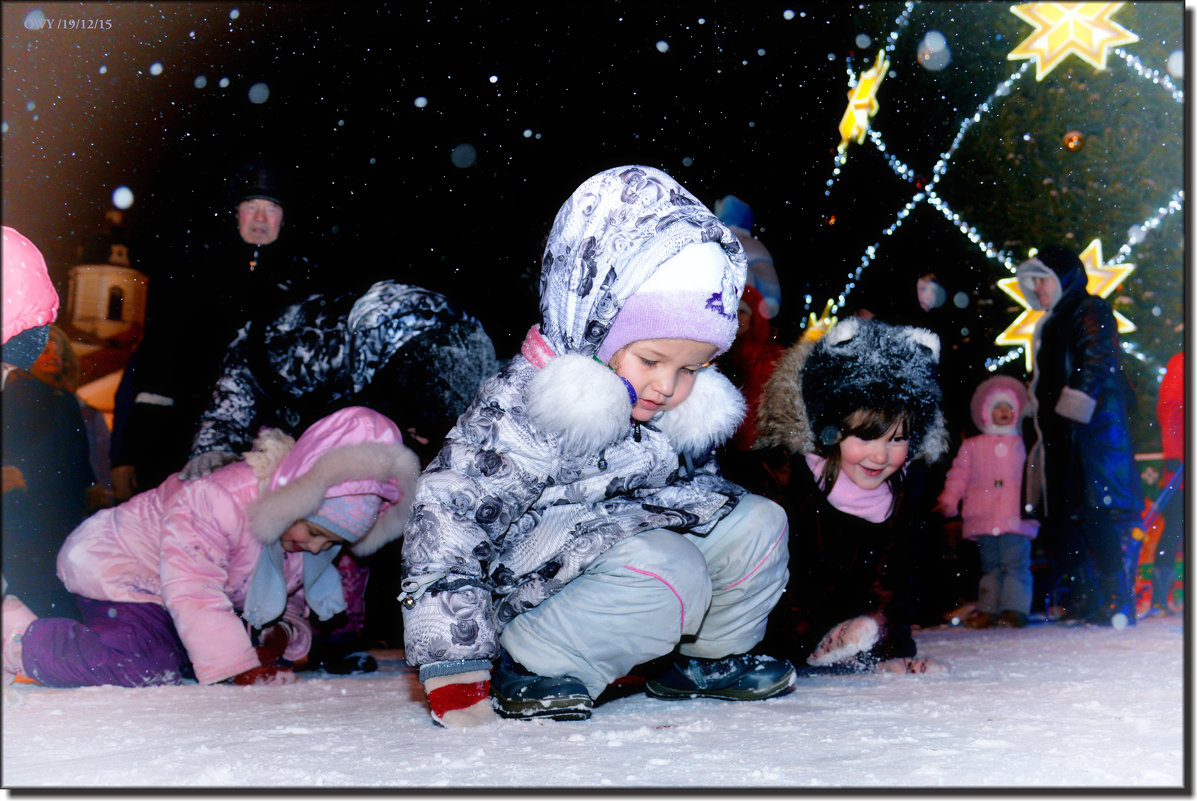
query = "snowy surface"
{"x": 1048, "y": 706}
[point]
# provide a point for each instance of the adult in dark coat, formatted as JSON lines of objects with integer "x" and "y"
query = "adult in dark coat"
{"x": 1082, "y": 469}
{"x": 198, "y": 301}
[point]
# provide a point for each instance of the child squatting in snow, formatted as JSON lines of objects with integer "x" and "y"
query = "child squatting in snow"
{"x": 574, "y": 525}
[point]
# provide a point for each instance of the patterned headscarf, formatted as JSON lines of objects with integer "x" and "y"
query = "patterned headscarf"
{"x": 608, "y": 238}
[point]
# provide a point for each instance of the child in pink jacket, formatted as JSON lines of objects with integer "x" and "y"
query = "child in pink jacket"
{"x": 987, "y": 475}
{"x": 212, "y": 578}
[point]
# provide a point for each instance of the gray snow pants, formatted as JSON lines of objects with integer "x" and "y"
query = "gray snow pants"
{"x": 650, "y": 592}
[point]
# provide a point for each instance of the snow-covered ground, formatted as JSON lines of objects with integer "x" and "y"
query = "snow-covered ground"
{"x": 1048, "y": 706}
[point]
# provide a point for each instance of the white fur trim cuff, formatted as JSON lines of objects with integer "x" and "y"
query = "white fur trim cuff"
{"x": 1076, "y": 405}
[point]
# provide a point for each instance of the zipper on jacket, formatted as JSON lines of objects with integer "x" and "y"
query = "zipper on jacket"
{"x": 636, "y": 430}
{"x": 416, "y": 586}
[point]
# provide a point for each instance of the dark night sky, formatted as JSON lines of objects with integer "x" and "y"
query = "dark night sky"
{"x": 740, "y": 97}
{"x": 745, "y": 99}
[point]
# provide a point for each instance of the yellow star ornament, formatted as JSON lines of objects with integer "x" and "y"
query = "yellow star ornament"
{"x": 1080, "y": 29}
{"x": 1103, "y": 279}
{"x": 862, "y": 103}
{"x": 816, "y": 327}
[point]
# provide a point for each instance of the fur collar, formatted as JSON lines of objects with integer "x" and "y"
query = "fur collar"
{"x": 275, "y": 510}
{"x": 586, "y": 404}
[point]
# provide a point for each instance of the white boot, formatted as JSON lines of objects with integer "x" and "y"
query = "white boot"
{"x": 15, "y": 618}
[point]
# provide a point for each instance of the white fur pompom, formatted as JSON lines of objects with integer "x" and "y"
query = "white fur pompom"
{"x": 581, "y": 400}
{"x": 707, "y": 418}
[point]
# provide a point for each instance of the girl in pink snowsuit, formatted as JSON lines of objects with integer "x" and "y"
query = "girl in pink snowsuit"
{"x": 165, "y": 579}
{"x": 987, "y": 475}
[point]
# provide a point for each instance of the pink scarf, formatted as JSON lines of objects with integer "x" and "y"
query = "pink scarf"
{"x": 872, "y": 505}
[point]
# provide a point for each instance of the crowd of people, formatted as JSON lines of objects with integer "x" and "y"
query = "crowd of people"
{"x": 654, "y": 492}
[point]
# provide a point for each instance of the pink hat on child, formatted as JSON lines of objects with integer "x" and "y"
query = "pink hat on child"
{"x": 347, "y": 516}
{"x": 30, "y": 300}
{"x": 681, "y": 300}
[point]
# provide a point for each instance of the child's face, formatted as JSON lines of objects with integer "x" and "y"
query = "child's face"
{"x": 661, "y": 371}
{"x": 928, "y": 292}
{"x": 49, "y": 362}
{"x": 305, "y": 535}
{"x": 1002, "y": 414}
{"x": 869, "y": 462}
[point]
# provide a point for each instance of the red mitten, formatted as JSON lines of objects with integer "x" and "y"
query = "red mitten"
{"x": 270, "y": 674}
{"x": 461, "y": 699}
{"x": 272, "y": 642}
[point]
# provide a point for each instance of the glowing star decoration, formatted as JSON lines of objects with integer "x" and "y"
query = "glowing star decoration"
{"x": 1103, "y": 280}
{"x": 1080, "y": 29}
{"x": 1021, "y": 332}
{"x": 862, "y": 103}
{"x": 817, "y": 327}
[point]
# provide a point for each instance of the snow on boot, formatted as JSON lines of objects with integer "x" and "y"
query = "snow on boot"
{"x": 15, "y": 618}
{"x": 845, "y": 642}
{"x": 743, "y": 677}
{"x": 519, "y": 693}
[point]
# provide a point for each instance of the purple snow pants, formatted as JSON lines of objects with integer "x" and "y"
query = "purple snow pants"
{"x": 126, "y": 644}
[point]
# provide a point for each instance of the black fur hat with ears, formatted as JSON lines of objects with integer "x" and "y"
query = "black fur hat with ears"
{"x": 857, "y": 364}
{"x": 868, "y": 364}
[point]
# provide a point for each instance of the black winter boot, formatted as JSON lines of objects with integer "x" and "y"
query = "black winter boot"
{"x": 519, "y": 693}
{"x": 743, "y": 677}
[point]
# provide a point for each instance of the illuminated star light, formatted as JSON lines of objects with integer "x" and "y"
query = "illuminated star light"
{"x": 862, "y": 103}
{"x": 1081, "y": 29}
{"x": 1103, "y": 280}
{"x": 818, "y": 326}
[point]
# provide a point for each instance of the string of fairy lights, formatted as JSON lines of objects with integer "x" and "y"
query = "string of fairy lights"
{"x": 1100, "y": 33}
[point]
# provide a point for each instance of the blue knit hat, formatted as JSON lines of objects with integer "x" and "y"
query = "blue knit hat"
{"x": 347, "y": 516}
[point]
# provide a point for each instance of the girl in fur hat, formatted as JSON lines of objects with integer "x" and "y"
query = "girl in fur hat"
{"x": 574, "y": 525}
{"x": 164, "y": 580}
{"x": 843, "y": 423}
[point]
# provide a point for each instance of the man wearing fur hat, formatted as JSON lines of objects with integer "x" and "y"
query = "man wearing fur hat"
{"x": 1083, "y": 462}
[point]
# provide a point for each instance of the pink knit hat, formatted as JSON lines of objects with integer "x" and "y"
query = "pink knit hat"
{"x": 30, "y": 300}
{"x": 347, "y": 516}
{"x": 681, "y": 300}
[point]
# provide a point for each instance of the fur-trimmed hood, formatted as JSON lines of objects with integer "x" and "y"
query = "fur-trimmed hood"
{"x": 608, "y": 238}
{"x": 353, "y": 451}
{"x": 856, "y": 364}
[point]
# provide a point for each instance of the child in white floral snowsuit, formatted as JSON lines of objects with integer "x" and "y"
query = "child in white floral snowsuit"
{"x": 574, "y": 525}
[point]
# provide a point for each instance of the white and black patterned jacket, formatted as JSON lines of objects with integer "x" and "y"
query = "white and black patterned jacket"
{"x": 546, "y": 469}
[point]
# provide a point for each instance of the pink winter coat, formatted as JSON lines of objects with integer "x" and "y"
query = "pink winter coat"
{"x": 191, "y": 546}
{"x": 987, "y": 472}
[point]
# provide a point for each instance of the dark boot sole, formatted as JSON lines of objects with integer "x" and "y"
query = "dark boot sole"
{"x": 654, "y": 689}
{"x": 565, "y": 707}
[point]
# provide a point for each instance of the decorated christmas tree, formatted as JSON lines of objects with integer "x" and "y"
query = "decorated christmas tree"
{"x": 976, "y": 133}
